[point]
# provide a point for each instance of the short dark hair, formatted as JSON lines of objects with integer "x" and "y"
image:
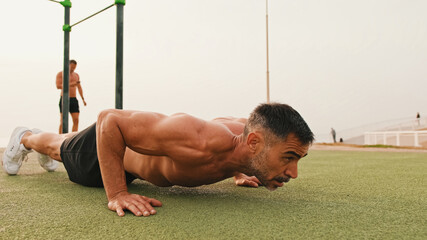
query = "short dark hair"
{"x": 280, "y": 120}
{"x": 73, "y": 61}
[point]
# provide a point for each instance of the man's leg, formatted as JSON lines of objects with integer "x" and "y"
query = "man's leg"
{"x": 75, "y": 116}
{"x": 23, "y": 140}
{"x": 60, "y": 114}
{"x": 44, "y": 143}
{"x": 60, "y": 124}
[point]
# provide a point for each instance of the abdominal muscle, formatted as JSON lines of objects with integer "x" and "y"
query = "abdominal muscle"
{"x": 72, "y": 91}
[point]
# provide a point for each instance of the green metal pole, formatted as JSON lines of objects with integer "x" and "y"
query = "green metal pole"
{"x": 119, "y": 54}
{"x": 66, "y": 70}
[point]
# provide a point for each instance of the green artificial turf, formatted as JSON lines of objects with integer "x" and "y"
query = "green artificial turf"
{"x": 338, "y": 195}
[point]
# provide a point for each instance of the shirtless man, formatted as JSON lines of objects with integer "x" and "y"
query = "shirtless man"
{"x": 171, "y": 150}
{"x": 74, "y": 104}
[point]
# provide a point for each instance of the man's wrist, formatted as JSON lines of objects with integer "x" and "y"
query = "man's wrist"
{"x": 115, "y": 194}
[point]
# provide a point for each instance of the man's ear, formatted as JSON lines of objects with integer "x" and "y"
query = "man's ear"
{"x": 254, "y": 139}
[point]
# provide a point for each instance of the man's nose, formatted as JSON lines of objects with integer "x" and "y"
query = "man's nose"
{"x": 292, "y": 170}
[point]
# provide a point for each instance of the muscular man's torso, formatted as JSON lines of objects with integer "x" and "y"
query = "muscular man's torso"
{"x": 194, "y": 167}
{"x": 74, "y": 79}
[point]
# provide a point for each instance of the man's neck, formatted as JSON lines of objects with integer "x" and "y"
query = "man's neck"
{"x": 238, "y": 158}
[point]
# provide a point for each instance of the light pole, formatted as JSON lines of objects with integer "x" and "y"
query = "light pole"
{"x": 268, "y": 67}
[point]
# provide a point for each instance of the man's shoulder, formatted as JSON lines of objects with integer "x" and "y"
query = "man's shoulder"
{"x": 186, "y": 118}
{"x": 196, "y": 121}
{"x": 188, "y": 122}
{"x": 235, "y": 125}
{"x": 231, "y": 119}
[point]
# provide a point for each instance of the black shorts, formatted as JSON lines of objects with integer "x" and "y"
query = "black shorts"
{"x": 74, "y": 105}
{"x": 80, "y": 159}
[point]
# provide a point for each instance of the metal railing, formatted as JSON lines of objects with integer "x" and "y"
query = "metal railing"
{"x": 397, "y": 138}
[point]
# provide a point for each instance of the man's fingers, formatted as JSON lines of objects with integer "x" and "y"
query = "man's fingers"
{"x": 256, "y": 180}
{"x": 144, "y": 208}
{"x": 115, "y": 207}
{"x": 247, "y": 183}
{"x": 120, "y": 211}
{"x": 154, "y": 202}
{"x": 145, "y": 205}
{"x": 240, "y": 182}
{"x": 150, "y": 203}
{"x": 149, "y": 209}
{"x": 136, "y": 209}
{"x": 252, "y": 183}
{"x": 137, "y": 204}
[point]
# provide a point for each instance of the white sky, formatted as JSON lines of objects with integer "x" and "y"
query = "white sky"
{"x": 340, "y": 63}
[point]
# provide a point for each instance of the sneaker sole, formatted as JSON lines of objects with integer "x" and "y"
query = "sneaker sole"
{"x": 10, "y": 148}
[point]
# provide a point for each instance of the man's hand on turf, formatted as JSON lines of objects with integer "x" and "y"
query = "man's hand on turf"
{"x": 137, "y": 204}
{"x": 246, "y": 181}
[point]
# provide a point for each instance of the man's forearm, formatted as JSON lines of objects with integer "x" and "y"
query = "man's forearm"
{"x": 111, "y": 149}
{"x": 81, "y": 92}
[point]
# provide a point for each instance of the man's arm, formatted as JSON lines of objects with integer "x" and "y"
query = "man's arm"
{"x": 113, "y": 134}
{"x": 59, "y": 80}
{"x": 80, "y": 89}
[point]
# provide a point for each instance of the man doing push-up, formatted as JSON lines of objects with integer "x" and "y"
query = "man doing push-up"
{"x": 170, "y": 150}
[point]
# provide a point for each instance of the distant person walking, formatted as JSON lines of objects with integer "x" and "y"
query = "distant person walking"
{"x": 334, "y": 135}
{"x": 74, "y": 84}
{"x": 418, "y": 118}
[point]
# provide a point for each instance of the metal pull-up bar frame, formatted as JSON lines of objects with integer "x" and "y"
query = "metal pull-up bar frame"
{"x": 66, "y": 69}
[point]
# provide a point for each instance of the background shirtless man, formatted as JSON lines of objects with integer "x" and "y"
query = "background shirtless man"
{"x": 171, "y": 150}
{"x": 74, "y": 104}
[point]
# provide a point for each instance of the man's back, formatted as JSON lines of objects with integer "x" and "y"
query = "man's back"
{"x": 194, "y": 158}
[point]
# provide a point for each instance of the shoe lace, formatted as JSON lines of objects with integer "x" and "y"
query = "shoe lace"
{"x": 24, "y": 157}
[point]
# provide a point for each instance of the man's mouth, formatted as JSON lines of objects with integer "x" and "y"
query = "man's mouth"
{"x": 282, "y": 179}
{"x": 279, "y": 184}
{"x": 273, "y": 185}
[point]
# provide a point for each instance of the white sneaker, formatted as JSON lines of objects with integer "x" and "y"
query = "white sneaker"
{"x": 15, "y": 152}
{"x": 45, "y": 161}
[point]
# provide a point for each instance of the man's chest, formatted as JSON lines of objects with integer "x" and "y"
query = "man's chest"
{"x": 74, "y": 78}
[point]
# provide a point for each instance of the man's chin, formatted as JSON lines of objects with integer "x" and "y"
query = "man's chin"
{"x": 271, "y": 188}
{"x": 273, "y": 185}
